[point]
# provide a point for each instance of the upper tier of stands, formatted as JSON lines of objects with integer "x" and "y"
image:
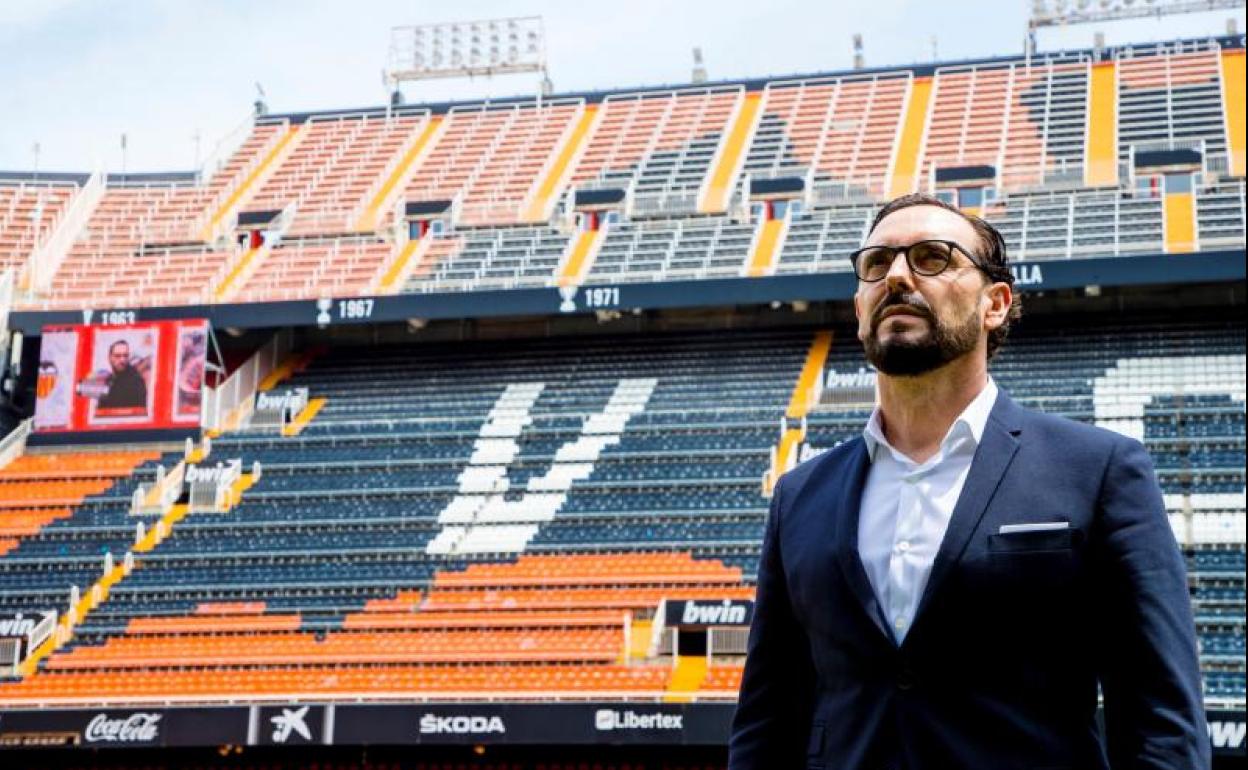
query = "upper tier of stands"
{"x": 29, "y": 212}
{"x": 1027, "y": 119}
{"x": 679, "y": 157}
{"x": 502, "y": 517}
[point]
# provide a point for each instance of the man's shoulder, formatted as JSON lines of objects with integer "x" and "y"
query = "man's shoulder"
{"x": 827, "y": 464}
{"x": 1062, "y": 432}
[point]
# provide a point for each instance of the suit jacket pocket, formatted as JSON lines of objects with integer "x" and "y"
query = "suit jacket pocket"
{"x": 1039, "y": 566}
{"x": 1034, "y": 540}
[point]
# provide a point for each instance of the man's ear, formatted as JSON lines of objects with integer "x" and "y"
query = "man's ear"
{"x": 858, "y": 312}
{"x": 999, "y": 296}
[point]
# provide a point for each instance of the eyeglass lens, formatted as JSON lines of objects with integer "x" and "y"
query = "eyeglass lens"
{"x": 924, "y": 257}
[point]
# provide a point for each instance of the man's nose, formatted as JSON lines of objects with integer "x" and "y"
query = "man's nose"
{"x": 899, "y": 274}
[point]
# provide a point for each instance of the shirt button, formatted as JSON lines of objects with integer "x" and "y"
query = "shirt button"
{"x": 900, "y": 622}
{"x": 903, "y": 546}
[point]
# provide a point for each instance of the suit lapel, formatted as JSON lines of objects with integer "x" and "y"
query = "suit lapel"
{"x": 993, "y": 457}
{"x": 846, "y": 538}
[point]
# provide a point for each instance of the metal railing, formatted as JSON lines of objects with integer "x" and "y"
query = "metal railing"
{"x": 45, "y": 260}
{"x": 230, "y": 402}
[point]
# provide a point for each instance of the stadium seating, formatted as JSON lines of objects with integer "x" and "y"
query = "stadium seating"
{"x": 490, "y": 155}
{"x": 655, "y": 250}
{"x": 502, "y": 167}
{"x": 329, "y": 171}
{"x": 142, "y": 246}
{"x": 839, "y": 132}
{"x": 340, "y": 536}
{"x": 29, "y": 212}
{"x": 501, "y": 258}
{"x": 1025, "y": 119}
{"x": 1170, "y": 101}
{"x": 659, "y": 144}
{"x": 333, "y": 555}
{"x": 50, "y": 507}
{"x": 314, "y": 268}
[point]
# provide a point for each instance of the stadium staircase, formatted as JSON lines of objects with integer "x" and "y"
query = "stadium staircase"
{"x": 540, "y": 201}
{"x": 582, "y": 251}
{"x": 1233, "y": 107}
{"x": 730, "y": 155}
{"x": 398, "y": 172}
{"x": 278, "y": 142}
{"x": 904, "y": 177}
{"x": 767, "y": 244}
{"x": 1101, "y": 168}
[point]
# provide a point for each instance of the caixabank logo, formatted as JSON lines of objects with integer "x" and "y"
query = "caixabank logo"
{"x": 293, "y": 724}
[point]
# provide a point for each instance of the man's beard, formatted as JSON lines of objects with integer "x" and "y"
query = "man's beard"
{"x": 938, "y": 347}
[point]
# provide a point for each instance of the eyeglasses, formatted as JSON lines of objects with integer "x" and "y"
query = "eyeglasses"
{"x": 926, "y": 258}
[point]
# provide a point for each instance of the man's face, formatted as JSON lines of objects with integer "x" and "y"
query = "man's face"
{"x": 911, "y": 324}
{"x": 119, "y": 357}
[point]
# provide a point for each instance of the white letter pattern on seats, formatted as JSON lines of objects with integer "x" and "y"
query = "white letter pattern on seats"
{"x": 479, "y": 519}
{"x": 1120, "y": 397}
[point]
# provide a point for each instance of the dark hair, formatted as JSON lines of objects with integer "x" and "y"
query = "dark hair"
{"x": 115, "y": 344}
{"x": 993, "y": 257}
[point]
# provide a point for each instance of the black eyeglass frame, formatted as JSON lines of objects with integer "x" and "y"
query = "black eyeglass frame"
{"x": 853, "y": 259}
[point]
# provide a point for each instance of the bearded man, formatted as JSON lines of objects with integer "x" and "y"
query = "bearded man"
{"x": 952, "y": 588}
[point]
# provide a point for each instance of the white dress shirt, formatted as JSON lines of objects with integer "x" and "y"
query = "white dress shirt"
{"x": 906, "y": 507}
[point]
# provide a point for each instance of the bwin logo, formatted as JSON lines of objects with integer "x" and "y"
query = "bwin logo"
{"x": 432, "y": 724}
{"x": 290, "y": 721}
{"x": 283, "y": 400}
{"x": 568, "y": 293}
{"x": 696, "y": 614}
{"x": 1226, "y": 735}
{"x": 859, "y": 379}
{"x": 196, "y": 474}
{"x": 17, "y": 626}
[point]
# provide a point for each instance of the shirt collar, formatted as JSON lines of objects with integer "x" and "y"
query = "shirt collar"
{"x": 973, "y": 419}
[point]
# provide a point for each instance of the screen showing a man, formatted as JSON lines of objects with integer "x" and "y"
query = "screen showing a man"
{"x": 127, "y": 389}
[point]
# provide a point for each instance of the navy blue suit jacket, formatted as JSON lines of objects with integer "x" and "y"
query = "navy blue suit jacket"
{"x": 1000, "y": 667}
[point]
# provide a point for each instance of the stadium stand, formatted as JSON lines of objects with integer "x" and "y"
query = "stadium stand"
{"x": 837, "y": 132}
{"x": 329, "y": 169}
{"x": 344, "y": 510}
{"x": 29, "y": 212}
{"x": 139, "y": 245}
{"x": 658, "y": 144}
{"x": 1027, "y": 120}
{"x": 356, "y": 560}
{"x": 1037, "y": 125}
{"x": 489, "y": 156}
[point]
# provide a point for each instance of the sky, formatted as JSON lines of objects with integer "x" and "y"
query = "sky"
{"x": 178, "y": 77}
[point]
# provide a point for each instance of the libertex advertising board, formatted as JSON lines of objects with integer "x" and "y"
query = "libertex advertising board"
{"x": 136, "y": 376}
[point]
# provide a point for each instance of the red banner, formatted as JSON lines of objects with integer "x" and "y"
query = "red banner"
{"x": 130, "y": 377}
